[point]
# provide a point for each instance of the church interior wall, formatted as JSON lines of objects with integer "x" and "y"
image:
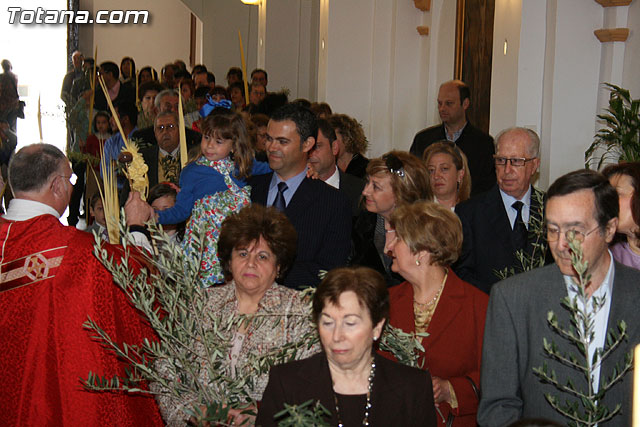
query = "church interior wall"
{"x": 164, "y": 39}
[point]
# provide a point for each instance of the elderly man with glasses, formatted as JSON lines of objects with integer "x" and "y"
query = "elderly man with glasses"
{"x": 163, "y": 158}
{"x": 497, "y": 224}
{"x": 581, "y": 206}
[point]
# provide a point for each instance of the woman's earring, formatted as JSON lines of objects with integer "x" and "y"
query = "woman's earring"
{"x": 418, "y": 262}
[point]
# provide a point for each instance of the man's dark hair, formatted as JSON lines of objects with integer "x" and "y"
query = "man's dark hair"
{"x": 305, "y": 120}
{"x": 606, "y": 197}
{"x": 220, "y": 90}
{"x": 146, "y": 87}
{"x": 167, "y": 66}
{"x": 200, "y": 68}
{"x": 201, "y": 92}
{"x": 180, "y": 64}
{"x": 271, "y": 103}
{"x": 211, "y": 78}
{"x": 112, "y": 68}
{"x": 89, "y": 61}
{"x": 127, "y": 109}
{"x": 302, "y": 102}
{"x": 327, "y": 130}
{"x": 32, "y": 167}
{"x": 260, "y": 70}
{"x": 181, "y": 74}
{"x": 234, "y": 71}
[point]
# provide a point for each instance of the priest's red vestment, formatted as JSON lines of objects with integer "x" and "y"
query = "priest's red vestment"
{"x": 50, "y": 283}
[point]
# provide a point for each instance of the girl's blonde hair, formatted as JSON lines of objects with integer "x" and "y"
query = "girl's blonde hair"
{"x": 232, "y": 126}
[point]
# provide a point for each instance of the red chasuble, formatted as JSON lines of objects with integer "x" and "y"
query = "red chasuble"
{"x": 50, "y": 283}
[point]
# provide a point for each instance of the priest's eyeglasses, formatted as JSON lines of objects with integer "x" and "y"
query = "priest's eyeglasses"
{"x": 515, "y": 161}
{"x": 72, "y": 178}
{"x": 553, "y": 234}
{"x": 394, "y": 164}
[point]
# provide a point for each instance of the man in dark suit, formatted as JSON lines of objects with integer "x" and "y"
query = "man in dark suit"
{"x": 453, "y": 101}
{"x": 163, "y": 159}
{"x": 166, "y": 101}
{"x": 581, "y": 205}
{"x": 322, "y": 159}
{"x": 496, "y": 224}
{"x": 320, "y": 214}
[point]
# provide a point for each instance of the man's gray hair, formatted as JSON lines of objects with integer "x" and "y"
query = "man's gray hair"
{"x": 534, "y": 140}
{"x": 32, "y": 167}
{"x": 162, "y": 94}
{"x": 166, "y": 114}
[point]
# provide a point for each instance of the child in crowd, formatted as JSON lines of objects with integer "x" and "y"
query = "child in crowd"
{"x": 213, "y": 186}
{"x": 162, "y": 197}
{"x": 96, "y": 210}
{"x": 93, "y": 147}
{"x": 101, "y": 132}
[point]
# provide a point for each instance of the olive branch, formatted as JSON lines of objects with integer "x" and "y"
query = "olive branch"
{"x": 582, "y": 407}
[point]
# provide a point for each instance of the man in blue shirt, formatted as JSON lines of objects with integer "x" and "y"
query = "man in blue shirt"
{"x": 320, "y": 214}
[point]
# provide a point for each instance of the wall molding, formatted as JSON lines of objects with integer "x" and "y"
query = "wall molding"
{"x": 612, "y": 34}
{"x": 613, "y": 3}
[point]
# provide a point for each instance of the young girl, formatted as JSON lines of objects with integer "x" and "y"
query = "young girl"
{"x": 214, "y": 186}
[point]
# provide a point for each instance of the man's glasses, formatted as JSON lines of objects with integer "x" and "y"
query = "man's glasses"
{"x": 162, "y": 128}
{"x": 553, "y": 234}
{"x": 515, "y": 161}
{"x": 394, "y": 164}
{"x": 72, "y": 178}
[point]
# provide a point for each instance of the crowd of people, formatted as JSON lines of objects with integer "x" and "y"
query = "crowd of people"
{"x": 449, "y": 240}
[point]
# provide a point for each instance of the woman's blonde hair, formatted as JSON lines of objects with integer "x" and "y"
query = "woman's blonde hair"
{"x": 429, "y": 226}
{"x": 409, "y": 176}
{"x": 459, "y": 160}
{"x": 232, "y": 126}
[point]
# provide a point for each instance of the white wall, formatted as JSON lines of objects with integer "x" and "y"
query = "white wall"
{"x": 504, "y": 69}
{"x": 221, "y": 48}
{"x": 631, "y": 70}
{"x": 530, "y": 65}
{"x": 291, "y": 53}
{"x": 164, "y": 39}
{"x": 382, "y": 72}
{"x": 576, "y": 76}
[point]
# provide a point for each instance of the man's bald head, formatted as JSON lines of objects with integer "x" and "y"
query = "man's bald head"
{"x": 33, "y": 166}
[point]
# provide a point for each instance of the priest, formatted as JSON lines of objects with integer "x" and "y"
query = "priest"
{"x": 50, "y": 283}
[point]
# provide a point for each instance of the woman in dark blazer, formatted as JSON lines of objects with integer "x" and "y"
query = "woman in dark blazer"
{"x": 424, "y": 239}
{"x": 393, "y": 179}
{"x": 350, "y": 308}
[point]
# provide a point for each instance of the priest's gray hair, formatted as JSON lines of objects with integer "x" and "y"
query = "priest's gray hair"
{"x": 32, "y": 167}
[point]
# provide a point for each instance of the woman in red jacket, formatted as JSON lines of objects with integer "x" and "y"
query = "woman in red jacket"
{"x": 424, "y": 239}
